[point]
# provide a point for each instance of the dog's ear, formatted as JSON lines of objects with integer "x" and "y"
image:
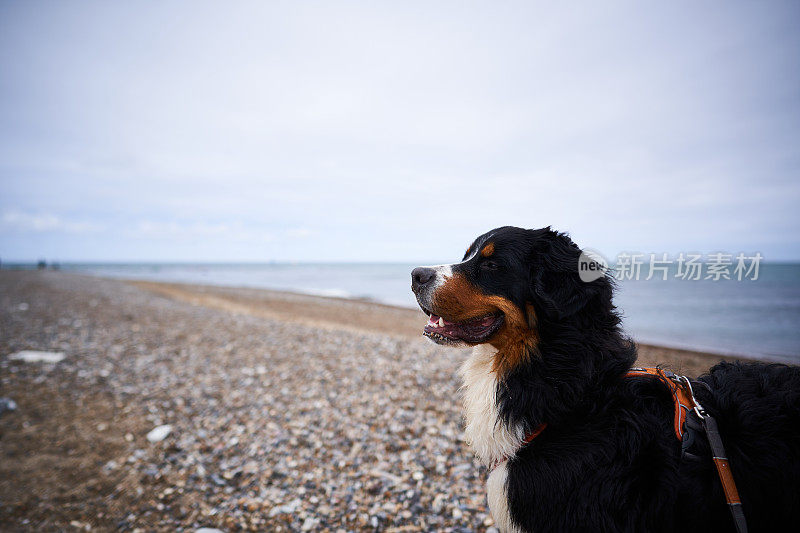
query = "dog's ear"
{"x": 555, "y": 283}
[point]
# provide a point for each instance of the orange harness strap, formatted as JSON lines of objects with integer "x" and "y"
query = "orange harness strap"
{"x": 535, "y": 433}
{"x": 680, "y": 396}
{"x": 528, "y": 439}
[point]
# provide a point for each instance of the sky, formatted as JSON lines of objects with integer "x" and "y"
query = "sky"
{"x": 395, "y": 131}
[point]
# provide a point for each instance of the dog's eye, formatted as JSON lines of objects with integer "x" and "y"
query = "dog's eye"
{"x": 489, "y": 265}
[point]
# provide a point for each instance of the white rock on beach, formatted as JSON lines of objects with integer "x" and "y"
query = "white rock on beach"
{"x": 159, "y": 433}
{"x": 289, "y": 508}
{"x": 7, "y": 404}
{"x": 33, "y": 356}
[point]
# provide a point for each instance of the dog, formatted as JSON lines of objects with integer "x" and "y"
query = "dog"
{"x": 572, "y": 442}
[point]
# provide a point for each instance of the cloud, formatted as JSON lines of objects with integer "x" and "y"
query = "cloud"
{"x": 173, "y": 230}
{"x": 44, "y": 222}
{"x": 299, "y": 233}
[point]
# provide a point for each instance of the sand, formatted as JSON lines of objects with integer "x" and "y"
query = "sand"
{"x": 286, "y": 412}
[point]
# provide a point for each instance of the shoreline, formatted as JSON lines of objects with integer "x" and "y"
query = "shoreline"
{"x": 248, "y": 299}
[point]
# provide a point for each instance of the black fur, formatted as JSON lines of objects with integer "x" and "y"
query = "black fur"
{"x": 609, "y": 459}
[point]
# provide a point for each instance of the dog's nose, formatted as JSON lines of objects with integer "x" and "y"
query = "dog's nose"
{"x": 420, "y": 276}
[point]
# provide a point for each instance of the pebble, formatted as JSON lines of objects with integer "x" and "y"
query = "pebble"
{"x": 159, "y": 433}
{"x": 7, "y": 404}
{"x": 286, "y": 509}
{"x": 35, "y": 356}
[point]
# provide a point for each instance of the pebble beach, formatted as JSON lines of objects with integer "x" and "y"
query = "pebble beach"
{"x": 170, "y": 407}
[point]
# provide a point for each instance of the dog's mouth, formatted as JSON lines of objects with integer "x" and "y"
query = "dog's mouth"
{"x": 472, "y": 331}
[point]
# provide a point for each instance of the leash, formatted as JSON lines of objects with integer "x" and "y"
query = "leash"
{"x": 683, "y": 394}
{"x": 721, "y": 460}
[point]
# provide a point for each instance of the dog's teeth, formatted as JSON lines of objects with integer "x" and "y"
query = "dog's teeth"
{"x": 441, "y": 322}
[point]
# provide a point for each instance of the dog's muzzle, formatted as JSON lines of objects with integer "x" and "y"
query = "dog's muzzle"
{"x": 424, "y": 282}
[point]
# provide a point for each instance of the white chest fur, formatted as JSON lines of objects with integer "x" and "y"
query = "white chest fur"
{"x": 490, "y": 438}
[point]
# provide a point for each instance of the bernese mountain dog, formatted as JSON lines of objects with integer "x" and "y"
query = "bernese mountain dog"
{"x": 550, "y": 361}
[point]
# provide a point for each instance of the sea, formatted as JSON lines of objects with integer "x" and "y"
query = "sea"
{"x": 757, "y": 318}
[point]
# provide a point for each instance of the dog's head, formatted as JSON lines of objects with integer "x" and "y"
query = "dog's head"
{"x": 510, "y": 281}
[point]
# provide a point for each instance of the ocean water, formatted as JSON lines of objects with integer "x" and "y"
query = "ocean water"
{"x": 759, "y": 318}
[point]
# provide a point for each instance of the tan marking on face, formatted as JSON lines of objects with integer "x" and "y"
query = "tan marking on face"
{"x": 458, "y": 300}
{"x": 487, "y": 250}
